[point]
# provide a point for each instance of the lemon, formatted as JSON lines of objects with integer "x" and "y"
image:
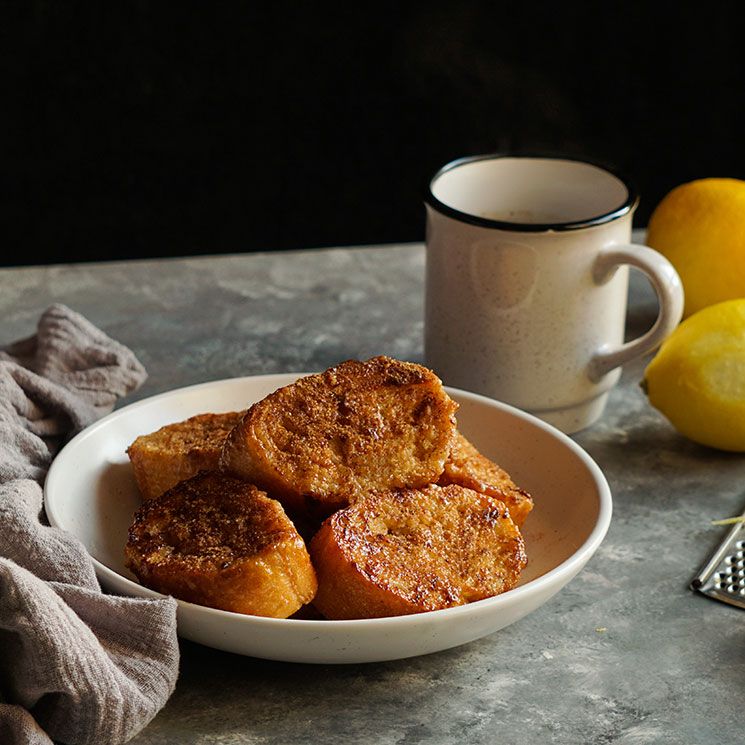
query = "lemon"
{"x": 697, "y": 378}
{"x": 700, "y": 228}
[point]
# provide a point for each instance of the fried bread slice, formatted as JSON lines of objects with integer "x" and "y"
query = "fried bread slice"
{"x": 218, "y": 541}
{"x": 330, "y": 438}
{"x": 467, "y": 467}
{"x": 410, "y": 551}
{"x": 178, "y": 451}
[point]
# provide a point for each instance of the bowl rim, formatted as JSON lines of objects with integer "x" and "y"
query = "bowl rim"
{"x": 569, "y": 566}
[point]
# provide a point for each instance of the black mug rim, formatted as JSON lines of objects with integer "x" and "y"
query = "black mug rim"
{"x": 630, "y": 203}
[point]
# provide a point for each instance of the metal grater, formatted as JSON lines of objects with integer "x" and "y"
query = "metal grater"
{"x": 723, "y": 576}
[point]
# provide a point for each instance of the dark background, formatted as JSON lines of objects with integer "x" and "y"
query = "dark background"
{"x": 157, "y": 129}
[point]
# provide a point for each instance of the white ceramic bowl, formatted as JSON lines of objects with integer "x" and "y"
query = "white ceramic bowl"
{"x": 90, "y": 492}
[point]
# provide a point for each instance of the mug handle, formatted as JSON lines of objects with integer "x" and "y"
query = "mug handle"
{"x": 668, "y": 287}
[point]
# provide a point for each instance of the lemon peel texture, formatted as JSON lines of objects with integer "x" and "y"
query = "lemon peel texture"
{"x": 697, "y": 378}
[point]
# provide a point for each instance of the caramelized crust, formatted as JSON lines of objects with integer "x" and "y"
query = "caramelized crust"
{"x": 467, "y": 467}
{"x": 178, "y": 451}
{"x": 332, "y": 437}
{"x": 218, "y": 541}
{"x": 409, "y": 551}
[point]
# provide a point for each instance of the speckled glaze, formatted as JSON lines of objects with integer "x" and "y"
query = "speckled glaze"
{"x": 536, "y": 318}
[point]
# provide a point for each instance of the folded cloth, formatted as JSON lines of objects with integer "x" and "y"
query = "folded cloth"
{"x": 76, "y": 666}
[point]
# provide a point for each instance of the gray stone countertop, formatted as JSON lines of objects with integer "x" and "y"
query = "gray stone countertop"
{"x": 625, "y": 654}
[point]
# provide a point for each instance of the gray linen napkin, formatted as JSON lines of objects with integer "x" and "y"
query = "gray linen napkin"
{"x": 76, "y": 665}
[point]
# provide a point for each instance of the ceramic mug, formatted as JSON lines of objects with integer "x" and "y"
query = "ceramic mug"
{"x": 527, "y": 282}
